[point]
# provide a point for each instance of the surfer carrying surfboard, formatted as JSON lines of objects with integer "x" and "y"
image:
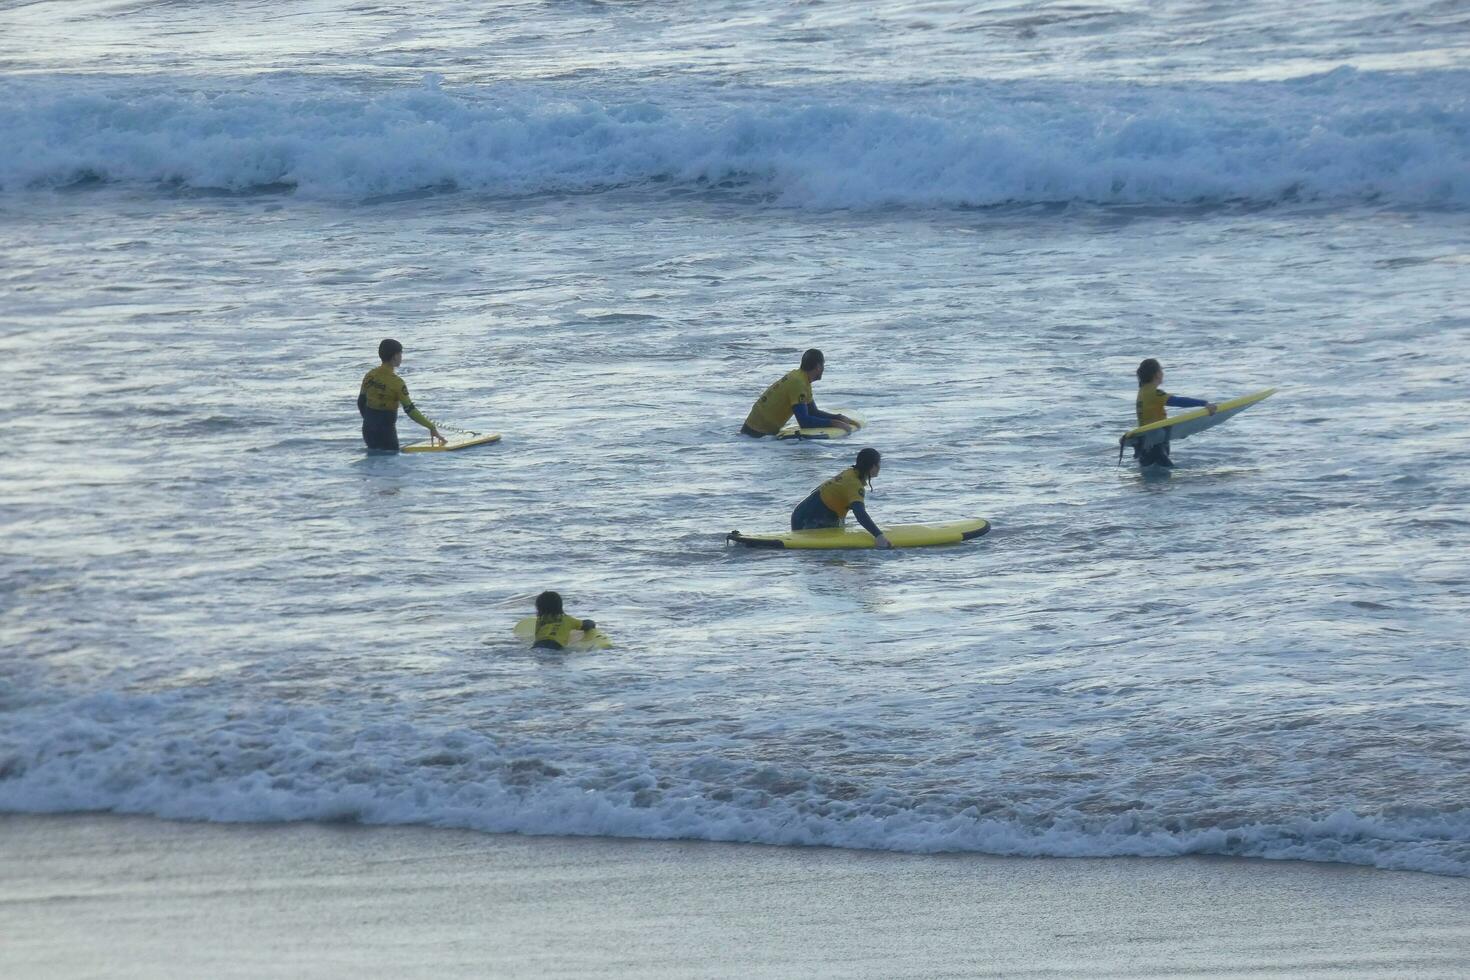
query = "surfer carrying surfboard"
{"x": 382, "y": 392}
{"x": 554, "y": 627}
{"x": 792, "y": 394}
{"x": 1149, "y": 406}
{"x": 828, "y": 505}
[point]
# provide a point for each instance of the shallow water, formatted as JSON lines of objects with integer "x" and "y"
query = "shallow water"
{"x": 218, "y": 606}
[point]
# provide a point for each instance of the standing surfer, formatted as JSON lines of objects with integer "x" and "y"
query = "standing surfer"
{"x": 1153, "y": 450}
{"x": 382, "y": 392}
{"x": 792, "y": 394}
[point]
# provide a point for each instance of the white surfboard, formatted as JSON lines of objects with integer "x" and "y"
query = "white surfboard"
{"x": 1196, "y": 420}
{"x": 818, "y": 431}
{"x": 466, "y": 440}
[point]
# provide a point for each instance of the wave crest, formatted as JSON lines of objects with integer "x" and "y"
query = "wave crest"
{"x": 1344, "y": 137}
{"x": 165, "y": 757}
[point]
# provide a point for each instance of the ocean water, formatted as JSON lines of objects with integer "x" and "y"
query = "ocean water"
{"x": 602, "y": 228}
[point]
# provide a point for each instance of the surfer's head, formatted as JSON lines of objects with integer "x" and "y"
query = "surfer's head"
{"x": 812, "y": 362}
{"x": 390, "y": 350}
{"x": 868, "y": 463}
{"x": 1150, "y": 371}
{"x": 548, "y": 604}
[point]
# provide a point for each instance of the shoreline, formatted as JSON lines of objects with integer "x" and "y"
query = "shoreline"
{"x": 134, "y": 896}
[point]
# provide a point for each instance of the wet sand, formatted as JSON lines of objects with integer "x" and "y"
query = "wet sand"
{"x": 94, "y": 896}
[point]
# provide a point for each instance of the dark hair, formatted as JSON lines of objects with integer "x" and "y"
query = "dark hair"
{"x": 866, "y": 460}
{"x": 1147, "y": 370}
{"x": 388, "y": 349}
{"x": 812, "y": 360}
{"x": 548, "y": 604}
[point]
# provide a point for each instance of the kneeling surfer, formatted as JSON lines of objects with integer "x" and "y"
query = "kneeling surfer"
{"x": 1149, "y": 407}
{"x": 792, "y": 395}
{"x": 378, "y": 399}
{"x": 553, "y": 626}
{"x": 828, "y": 505}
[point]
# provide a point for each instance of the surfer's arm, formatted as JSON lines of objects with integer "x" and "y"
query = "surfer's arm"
{"x": 811, "y": 417}
{"x": 418, "y": 417}
{"x": 808, "y": 417}
{"x": 860, "y": 511}
{"x": 362, "y": 403}
{"x": 1179, "y": 401}
{"x": 836, "y": 417}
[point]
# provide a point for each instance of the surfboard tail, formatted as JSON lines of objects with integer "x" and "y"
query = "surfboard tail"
{"x": 971, "y": 535}
{"x": 735, "y": 537}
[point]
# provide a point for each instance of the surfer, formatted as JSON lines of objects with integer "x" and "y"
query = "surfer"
{"x": 1149, "y": 407}
{"x": 828, "y": 505}
{"x": 378, "y": 400}
{"x": 553, "y": 626}
{"x": 792, "y": 394}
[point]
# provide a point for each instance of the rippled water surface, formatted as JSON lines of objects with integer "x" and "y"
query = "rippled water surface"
{"x": 217, "y": 605}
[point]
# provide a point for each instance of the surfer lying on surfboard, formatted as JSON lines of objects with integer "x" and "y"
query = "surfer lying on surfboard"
{"x": 792, "y": 394}
{"x": 553, "y": 627}
{"x": 378, "y": 400}
{"x": 828, "y": 505}
{"x": 1149, "y": 407}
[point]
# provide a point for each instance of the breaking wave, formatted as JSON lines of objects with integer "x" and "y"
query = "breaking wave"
{"x": 162, "y": 756}
{"x": 1343, "y": 137}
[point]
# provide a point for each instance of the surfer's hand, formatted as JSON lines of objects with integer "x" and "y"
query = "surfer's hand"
{"x": 845, "y": 423}
{"x": 1212, "y": 408}
{"x": 882, "y": 543}
{"x": 436, "y": 438}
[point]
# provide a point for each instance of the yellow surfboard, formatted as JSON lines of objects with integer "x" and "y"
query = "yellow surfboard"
{"x": 819, "y": 431}
{"x": 839, "y": 538}
{"x": 470, "y": 439}
{"x": 593, "y": 639}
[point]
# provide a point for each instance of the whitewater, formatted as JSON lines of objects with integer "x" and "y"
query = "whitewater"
{"x": 602, "y": 229}
{"x": 1328, "y": 138}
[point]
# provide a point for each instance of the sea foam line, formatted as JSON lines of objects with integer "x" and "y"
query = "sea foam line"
{"x": 1343, "y": 137}
{"x": 163, "y": 757}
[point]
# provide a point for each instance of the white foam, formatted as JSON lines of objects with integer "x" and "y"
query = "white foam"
{"x": 1346, "y": 136}
{"x": 168, "y": 757}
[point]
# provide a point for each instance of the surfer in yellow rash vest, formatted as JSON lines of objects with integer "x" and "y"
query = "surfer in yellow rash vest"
{"x": 382, "y": 392}
{"x": 553, "y": 626}
{"x": 827, "y": 505}
{"x": 1149, "y": 407}
{"x": 792, "y": 394}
